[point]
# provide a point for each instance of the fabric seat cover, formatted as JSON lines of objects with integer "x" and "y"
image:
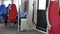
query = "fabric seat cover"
{"x": 12, "y": 14}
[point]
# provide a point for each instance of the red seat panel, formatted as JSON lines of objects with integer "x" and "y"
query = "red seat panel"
{"x": 12, "y": 13}
{"x": 54, "y": 18}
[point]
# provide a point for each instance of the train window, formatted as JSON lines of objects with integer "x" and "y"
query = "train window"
{"x": 7, "y": 2}
{"x": 42, "y": 4}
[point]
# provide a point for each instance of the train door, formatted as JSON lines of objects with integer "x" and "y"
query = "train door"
{"x": 41, "y": 15}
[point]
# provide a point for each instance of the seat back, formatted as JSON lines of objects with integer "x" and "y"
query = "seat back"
{"x": 12, "y": 13}
{"x": 2, "y": 10}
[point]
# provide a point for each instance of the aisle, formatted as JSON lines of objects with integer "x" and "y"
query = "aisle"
{"x": 8, "y": 30}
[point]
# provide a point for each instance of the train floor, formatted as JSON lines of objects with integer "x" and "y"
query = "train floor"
{"x": 13, "y": 30}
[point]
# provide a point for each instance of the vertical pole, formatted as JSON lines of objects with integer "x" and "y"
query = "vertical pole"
{"x": 12, "y": 1}
{"x": 18, "y": 16}
{"x": 48, "y": 23}
{"x": 2, "y": 1}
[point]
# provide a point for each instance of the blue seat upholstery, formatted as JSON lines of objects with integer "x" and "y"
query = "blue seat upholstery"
{"x": 21, "y": 15}
{"x": 2, "y": 11}
{"x": 7, "y": 8}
